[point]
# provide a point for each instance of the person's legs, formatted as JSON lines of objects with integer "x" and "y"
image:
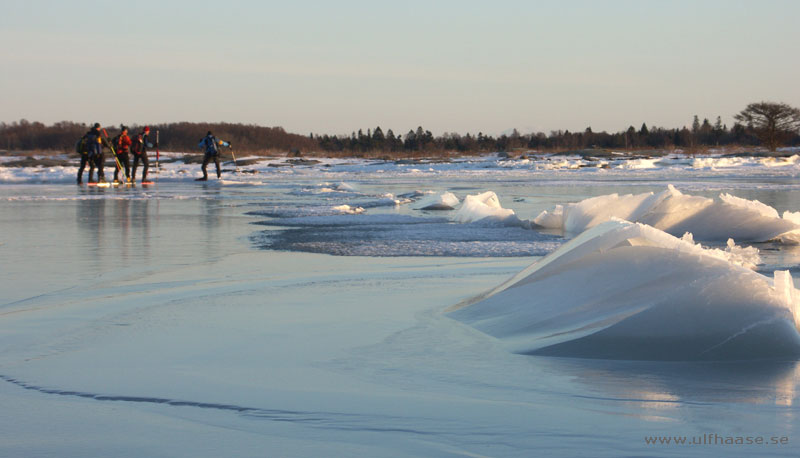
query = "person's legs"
{"x": 146, "y": 164}
{"x": 135, "y": 165}
{"x": 100, "y": 175}
{"x": 116, "y": 170}
{"x": 126, "y": 162}
{"x": 84, "y": 161}
{"x": 206, "y": 159}
{"x": 92, "y": 164}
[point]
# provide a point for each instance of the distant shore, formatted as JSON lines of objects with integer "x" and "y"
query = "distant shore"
{"x": 61, "y": 158}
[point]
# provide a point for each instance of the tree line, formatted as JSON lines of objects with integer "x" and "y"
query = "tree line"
{"x": 703, "y": 134}
{"x": 759, "y": 124}
{"x": 182, "y": 136}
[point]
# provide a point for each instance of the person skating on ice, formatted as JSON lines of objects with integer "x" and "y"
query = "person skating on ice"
{"x": 94, "y": 154}
{"x": 139, "y": 149}
{"x": 122, "y": 144}
{"x": 211, "y": 145}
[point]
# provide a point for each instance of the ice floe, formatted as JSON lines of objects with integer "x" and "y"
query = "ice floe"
{"x": 677, "y": 213}
{"x": 625, "y": 290}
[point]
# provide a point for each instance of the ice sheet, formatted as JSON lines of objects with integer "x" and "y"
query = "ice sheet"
{"x": 146, "y": 313}
{"x": 362, "y": 234}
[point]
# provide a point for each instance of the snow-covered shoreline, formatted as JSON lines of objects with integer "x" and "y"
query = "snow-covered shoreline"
{"x": 175, "y": 167}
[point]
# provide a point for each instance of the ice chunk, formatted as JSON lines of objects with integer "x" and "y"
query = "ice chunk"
{"x": 784, "y": 286}
{"x": 443, "y": 201}
{"x": 552, "y": 219}
{"x": 633, "y": 164}
{"x": 476, "y": 207}
{"x": 677, "y": 213}
{"x": 346, "y": 209}
{"x": 625, "y": 290}
{"x": 745, "y": 257}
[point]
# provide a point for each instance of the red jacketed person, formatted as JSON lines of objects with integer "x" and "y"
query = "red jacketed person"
{"x": 123, "y": 143}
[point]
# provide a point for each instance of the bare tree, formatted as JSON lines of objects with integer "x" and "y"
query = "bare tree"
{"x": 771, "y": 122}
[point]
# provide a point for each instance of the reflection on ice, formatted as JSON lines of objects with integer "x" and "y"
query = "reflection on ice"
{"x": 628, "y": 291}
{"x": 677, "y": 213}
{"x": 660, "y": 386}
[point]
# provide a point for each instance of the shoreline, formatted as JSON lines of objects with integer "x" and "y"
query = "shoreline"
{"x": 64, "y": 159}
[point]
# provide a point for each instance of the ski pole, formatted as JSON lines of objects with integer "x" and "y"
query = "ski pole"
{"x": 234, "y": 161}
{"x": 116, "y": 159}
{"x": 157, "y": 152}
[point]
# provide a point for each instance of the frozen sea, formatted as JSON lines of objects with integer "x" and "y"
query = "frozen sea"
{"x": 301, "y": 311}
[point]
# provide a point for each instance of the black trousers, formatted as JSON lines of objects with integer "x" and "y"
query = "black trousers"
{"x": 84, "y": 161}
{"x": 125, "y": 161}
{"x": 145, "y": 163}
{"x": 208, "y": 158}
{"x": 97, "y": 161}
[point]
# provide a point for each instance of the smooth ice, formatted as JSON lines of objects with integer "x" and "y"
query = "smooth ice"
{"x": 211, "y": 319}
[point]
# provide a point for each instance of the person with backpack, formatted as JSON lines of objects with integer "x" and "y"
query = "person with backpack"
{"x": 82, "y": 148}
{"x": 139, "y": 149}
{"x": 92, "y": 142}
{"x": 211, "y": 145}
{"x": 122, "y": 144}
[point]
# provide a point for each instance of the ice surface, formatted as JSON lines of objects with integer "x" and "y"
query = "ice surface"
{"x": 678, "y": 213}
{"x": 147, "y": 313}
{"x": 625, "y": 290}
{"x": 357, "y": 234}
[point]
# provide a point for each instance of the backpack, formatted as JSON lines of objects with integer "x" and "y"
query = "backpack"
{"x": 211, "y": 145}
{"x": 115, "y": 142}
{"x": 80, "y": 145}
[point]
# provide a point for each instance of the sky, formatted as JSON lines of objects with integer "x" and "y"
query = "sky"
{"x": 333, "y": 67}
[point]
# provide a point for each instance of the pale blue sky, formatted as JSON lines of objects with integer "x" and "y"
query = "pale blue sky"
{"x": 334, "y": 67}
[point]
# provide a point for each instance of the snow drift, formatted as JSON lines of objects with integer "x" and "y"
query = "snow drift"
{"x": 677, "y": 213}
{"x": 629, "y": 291}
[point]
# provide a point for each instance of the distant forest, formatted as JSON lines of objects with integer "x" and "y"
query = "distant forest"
{"x": 184, "y": 136}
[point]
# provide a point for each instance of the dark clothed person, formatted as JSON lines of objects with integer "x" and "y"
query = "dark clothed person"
{"x": 139, "y": 149}
{"x": 94, "y": 154}
{"x": 211, "y": 145}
